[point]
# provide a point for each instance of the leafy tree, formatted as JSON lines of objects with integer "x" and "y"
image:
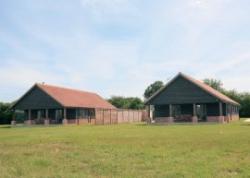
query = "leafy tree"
{"x": 245, "y": 104}
{"x": 5, "y": 113}
{"x": 126, "y": 102}
{"x": 151, "y": 89}
{"x": 214, "y": 83}
{"x": 135, "y": 103}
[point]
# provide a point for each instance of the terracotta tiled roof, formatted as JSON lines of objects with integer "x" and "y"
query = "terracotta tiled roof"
{"x": 203, "y": 86}
{"x": 75, "y": 98}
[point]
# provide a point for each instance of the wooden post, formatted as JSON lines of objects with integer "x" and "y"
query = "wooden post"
{"x": 194, "y": 110}
{"x": 133, "y": 116}
{"x": 64, "y": 113}
{"x": 29, "y": 122}
{"x": 170, "y": 118}
{"x": 29, "y": 114}
{"x": 170, "y": 110}
{"x": 110, "y": 116}
{"x": 117, "y": 116}
{"x": 226, "y": 109}
{"x": 228, "y": 118}
{"x": 221, "y": 118}
{"x": 76, "y": 117}
{"x": 38, "y": 114}
{"x": 138, "y": 118}
{"x": 122, "y": 117}
{"x": 148, "y": 108}
{"x": 103, "y": 116}
{"x": 220, "y": 109}
{"x": 194, "y": 118}
{"x": 13, "y": 122}
{"x": 46, "y": 113}
{"x": 46, "y": 121}
{"x": 65, "y": 121}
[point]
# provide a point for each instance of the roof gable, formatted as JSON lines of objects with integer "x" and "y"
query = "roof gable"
{"x": 189, "y": 90}
{"x": 35, "y": 98}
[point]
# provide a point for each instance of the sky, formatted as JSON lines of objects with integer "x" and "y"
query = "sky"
{"x": 119, "y": 47}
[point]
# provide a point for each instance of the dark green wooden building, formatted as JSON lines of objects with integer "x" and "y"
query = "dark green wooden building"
{"x": 52, "y": 104}
{"x": 185, "y": 99}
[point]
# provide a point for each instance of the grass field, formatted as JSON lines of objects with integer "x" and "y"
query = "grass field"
{"x": 129, "y": 150}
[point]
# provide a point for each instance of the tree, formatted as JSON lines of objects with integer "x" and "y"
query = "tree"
{"x": 214, "y": 83}
{"x": 126, "y": 102}
{"x": 245, "y": 104}
{"x": 5, "y": 113}
{"x": 135, "y": 103}
{"x": 151, "y": 89}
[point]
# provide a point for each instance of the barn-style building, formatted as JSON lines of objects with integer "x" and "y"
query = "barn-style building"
{"x": 44, "y": 104}
{"x": 185, "y": 99}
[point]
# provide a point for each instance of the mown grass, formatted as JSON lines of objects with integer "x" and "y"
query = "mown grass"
{"x": 127, "y": 150}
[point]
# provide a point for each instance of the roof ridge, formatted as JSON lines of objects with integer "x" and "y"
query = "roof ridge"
{"x": 65, "y": 88}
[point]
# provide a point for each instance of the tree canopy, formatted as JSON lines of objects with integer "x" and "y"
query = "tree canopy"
{"x": 152, "y": 88}
{"x": 5, "y": 113}
{"x": 126, "y": 102}
{"x": 214, "y": 83}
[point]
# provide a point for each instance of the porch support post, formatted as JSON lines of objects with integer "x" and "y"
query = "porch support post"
{"x": 148, "y": 119}
{"x": 65, "y": 121}
{"x": 46, "y": 120}
{"x": 76, "y": 116}
{"x": 13, "y": 122}
{"x": 170, "y": 118}
{"x": 170, "y": 110}
{"x": 149, "y": 113}
{"x": 29, "y": 114}
{"x": 38, "y": 116}
{"x": 194, "y": 118}
{"x": 221, "y": 117}
{"x": 220, "y": 109}
{"x": 29, "y": 117}
{"x": 227, "y": 115}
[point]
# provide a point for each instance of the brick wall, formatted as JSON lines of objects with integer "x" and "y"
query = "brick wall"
{"x": 219, "y": 119}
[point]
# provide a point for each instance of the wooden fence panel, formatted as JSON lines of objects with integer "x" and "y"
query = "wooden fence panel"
{"x": 120, "y": 116}
{"x": 99, "y": 116}
{"x": 115, "y": 116}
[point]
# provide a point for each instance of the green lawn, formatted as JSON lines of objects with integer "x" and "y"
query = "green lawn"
{"x": 130, "y": 150}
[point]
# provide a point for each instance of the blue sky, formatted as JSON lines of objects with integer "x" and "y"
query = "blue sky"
{"x": 119, "y": 47}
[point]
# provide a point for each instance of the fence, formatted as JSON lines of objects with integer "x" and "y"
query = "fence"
{"x": 115, "y": 116}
